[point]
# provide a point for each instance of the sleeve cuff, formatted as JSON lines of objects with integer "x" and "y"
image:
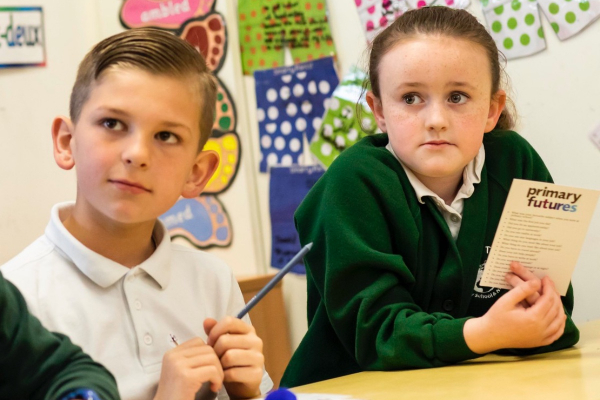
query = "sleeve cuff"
{"x": 450, "y": 341}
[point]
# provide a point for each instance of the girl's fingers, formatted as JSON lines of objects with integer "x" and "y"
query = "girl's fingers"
{"x": 515, "y": 281}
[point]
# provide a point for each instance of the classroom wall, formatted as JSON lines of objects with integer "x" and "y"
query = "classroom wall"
{"x": 557, "y": 93}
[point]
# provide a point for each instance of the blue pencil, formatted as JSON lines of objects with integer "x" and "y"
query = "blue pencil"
{"x": 275, "y": 280}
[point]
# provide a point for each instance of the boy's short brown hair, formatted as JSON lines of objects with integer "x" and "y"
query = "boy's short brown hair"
{"x": 154, "y": 51}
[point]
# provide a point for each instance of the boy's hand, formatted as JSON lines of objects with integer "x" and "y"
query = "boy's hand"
{"x": 185, "y": 368}
{"x": 240, "y": 352}
{"x": 508, "y": 324}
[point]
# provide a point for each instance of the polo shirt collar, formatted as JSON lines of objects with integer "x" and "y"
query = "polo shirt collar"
{"x": 471, "y": 177}
{"x": 101, "y": 270}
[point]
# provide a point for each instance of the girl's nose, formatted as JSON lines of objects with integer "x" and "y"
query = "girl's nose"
{"x": 436, "y": 117}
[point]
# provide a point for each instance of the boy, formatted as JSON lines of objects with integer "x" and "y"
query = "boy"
{"x": 105, "y": 271}
{"x": 37, "y": 364}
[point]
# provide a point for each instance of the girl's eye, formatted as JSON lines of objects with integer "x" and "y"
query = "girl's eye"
{"x": 167, "y": 137}
{"x": 458, "y": 98}
{"x": 412, "y": 99}
{"x": 112, "y": 124}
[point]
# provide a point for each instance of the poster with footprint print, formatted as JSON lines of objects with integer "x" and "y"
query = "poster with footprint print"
{"x": 163, "y": 14}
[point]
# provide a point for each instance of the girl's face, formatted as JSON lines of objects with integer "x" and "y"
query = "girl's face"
{"x": 436, "y": 103}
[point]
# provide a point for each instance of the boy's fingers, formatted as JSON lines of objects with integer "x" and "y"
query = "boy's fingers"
{"x": 228, "y": 325}
{"x": 243, "y": 374}
{"x": 209, "y": 324}
{"x": 244, "y": 342}
{"x": 235, "y": 358}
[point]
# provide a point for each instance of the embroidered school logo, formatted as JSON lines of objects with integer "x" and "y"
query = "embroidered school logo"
{"x": 484, "y": 292}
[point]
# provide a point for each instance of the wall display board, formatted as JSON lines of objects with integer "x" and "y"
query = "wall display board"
{"x": 22, "y": 40}
{"x": 516, "y": 25}
{"x": 288, "y": 187}
{"x": 291, "y": 102}
{"x": 267, "y": 27}
{"x": 203, "y": 222}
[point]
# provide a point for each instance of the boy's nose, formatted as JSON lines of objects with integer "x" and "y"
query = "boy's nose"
{"x": 436, "y": 117}
{"x": 137, "y": 152}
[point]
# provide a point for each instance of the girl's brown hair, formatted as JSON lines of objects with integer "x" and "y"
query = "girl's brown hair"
{"x": 154, "y": 51}
{"x": 446, "y": 22}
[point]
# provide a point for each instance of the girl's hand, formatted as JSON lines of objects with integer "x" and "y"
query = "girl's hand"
{"x": 521, "y": 274}
{"x": 240, "y": 351}
{"x": 508, "y": 324}
{"x": 185, "y": 368}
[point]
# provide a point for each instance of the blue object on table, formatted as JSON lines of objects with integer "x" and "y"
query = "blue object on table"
{"x": 81, "y": 394}
{"x": 281, "y": 394}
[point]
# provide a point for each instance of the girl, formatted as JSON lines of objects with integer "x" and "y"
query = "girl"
{"x": 402, "y": 222}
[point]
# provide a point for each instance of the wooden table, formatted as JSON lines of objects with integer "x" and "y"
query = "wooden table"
{"x": 567, "y": 374}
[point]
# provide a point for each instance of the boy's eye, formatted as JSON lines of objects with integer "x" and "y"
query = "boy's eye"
{"x": 167, "y": 137}
{"x": 457, "y": 98}
{"x": 412, "y": 99}
{"x": 112, "y": 124}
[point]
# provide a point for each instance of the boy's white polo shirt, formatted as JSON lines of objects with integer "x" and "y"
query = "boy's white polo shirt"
{"x": 452, "y": 213}
{"x": 123, "y": 317}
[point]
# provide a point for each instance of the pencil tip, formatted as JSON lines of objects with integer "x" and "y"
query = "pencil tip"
{"x": 309, "y": 246}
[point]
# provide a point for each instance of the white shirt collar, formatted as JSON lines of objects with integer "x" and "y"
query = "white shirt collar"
{"x": 101, "y": 270}
{"x": 471, "y": 176}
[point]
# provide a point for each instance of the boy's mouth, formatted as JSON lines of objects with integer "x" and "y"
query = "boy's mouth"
{"x": 129, "y": 186}
{"x": 437, "y": 143}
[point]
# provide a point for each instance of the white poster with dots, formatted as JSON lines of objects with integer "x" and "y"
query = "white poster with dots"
{"x": 376, "y": 15}
{"x": 516, "y": 27}
{"x": 291, "y": 102}
{"x": 570, "y": 17}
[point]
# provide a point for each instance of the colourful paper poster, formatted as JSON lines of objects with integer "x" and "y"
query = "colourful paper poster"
{"x": 343, "y": 124}
{"x": 209, "y": 36}
{"x": 267, "y": 26}
{"x": 291, "y": 102}
{"x": 288, "y": 187}
{"x": 376, "y": 15}
{"x": 164, "y": 14}
{"x": 516, "y": 27}
{"x": 227, "y": 146}
{"x": 203, "y": 221}
{"x": 22, "y": 40}
{"x": 570, "y": 17}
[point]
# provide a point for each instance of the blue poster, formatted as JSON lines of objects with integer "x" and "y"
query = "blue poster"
{"x": 291, "y": 102}
{"x": 289, "y": 186}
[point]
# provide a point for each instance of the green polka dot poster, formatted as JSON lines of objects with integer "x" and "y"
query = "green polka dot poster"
{"x": 570, "y": 17}
{"x": 516, "y": 27}
{"x": 342, "y": 125}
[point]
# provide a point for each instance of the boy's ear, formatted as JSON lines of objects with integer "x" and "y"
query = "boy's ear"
{"x": 205, "y": 166}
{"x": 62, "y": 135}
{"x": 496, "y": 107}
{"x": 377, "y": 108}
